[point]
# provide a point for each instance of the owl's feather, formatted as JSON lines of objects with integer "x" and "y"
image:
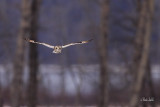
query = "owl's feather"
{"x": 32, "y": 41}
{"x": 76, "y": 43}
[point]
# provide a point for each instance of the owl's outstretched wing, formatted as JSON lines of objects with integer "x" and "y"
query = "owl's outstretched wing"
{"x": 32, "y": 41}
{"x": 76, "y": 43}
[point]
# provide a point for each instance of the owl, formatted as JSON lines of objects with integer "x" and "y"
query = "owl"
{"x": 58, "y": 49}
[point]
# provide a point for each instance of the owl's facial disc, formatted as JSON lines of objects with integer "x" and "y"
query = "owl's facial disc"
{"x": 57, "y": 49}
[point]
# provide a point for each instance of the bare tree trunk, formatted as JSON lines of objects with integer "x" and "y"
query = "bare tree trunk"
{"x": 19, "y": 56}
{"x": 138, "y": 45}
{"x": 147, "y": 89}
{"x": 33, "y": 56}
{"x": 103, "y": 54}
{"x": 144, "y": 57}
{"x": 1, "y": 94}
{"x": 149, "y": 83}
{"x": 63, "y": 89}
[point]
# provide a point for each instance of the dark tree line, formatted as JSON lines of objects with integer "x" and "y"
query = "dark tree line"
{"x": 141, "y": 50}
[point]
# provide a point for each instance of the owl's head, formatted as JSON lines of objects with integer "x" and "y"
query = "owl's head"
{"x": 57, "y": 49}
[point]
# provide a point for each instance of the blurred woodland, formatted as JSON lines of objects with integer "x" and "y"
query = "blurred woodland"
{"x": 120, "y": 68}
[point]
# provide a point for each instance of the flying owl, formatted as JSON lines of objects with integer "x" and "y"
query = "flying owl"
{"x": 57, "y": 49}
